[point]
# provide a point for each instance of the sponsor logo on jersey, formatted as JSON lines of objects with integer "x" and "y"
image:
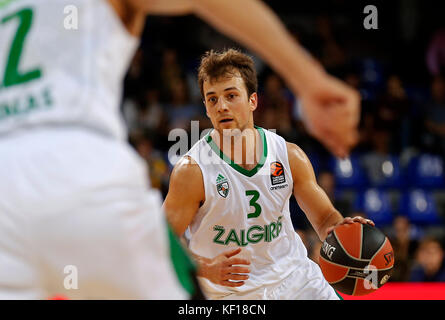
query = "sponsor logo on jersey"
{"x": 277, "y": 173}
{"x": 222, "y": 186}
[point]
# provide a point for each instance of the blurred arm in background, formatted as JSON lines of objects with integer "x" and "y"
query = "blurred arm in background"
{"x": 331, "y": 108}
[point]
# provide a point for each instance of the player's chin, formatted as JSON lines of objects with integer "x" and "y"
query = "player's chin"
{"x": 228, "y": 127}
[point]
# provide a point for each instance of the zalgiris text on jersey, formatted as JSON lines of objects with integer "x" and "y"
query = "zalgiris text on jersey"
{"x": 243, "y": 237}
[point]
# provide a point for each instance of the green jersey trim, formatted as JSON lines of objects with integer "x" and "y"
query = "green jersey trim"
{"x": 338, "y": 295}
{"x": 230, "y": 162}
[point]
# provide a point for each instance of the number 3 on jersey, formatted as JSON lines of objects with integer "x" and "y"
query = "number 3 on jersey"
{"x": 12, "y": 74}
{"x": 253, "y": 203}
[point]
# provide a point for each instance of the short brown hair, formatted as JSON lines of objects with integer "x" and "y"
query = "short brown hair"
{"x": 215, "y": 65}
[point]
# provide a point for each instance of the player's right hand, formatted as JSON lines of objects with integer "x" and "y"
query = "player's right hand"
{"x": 227, "y": 270}
{"x": 331, "y": 111}
{"x": 351, "y": 220}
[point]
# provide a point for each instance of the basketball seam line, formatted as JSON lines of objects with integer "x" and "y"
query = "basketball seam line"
{"x": 378, "y": 250}
{"x": 355, "y": 277}
{"x": 340, "y": 279}
{"x": 344, "y": 277}
{"x": 347, "y": 253}
{"x": 355, "y": 287}
{"x": 340, "y": 265}
{"x": 385, "y": 269}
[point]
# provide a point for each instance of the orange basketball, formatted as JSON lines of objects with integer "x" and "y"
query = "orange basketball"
{"x": 356, "y": 259}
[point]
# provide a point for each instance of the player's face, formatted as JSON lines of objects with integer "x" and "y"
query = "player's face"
{"x": 227, "y": 103}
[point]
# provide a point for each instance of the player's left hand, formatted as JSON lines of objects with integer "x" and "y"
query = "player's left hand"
{"x": 351, "y": 220}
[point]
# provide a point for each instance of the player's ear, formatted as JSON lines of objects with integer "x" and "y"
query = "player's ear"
{"x": 207, "y": 111}
{"x": 253, "y": 101}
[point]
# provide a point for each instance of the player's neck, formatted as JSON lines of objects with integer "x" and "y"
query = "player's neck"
{"x": 243, "y": 147}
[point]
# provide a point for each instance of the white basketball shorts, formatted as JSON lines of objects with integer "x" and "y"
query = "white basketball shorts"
{"x": 306, "y": 282}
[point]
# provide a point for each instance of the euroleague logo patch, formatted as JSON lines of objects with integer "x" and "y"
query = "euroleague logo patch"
{"x": 277, "y": 173}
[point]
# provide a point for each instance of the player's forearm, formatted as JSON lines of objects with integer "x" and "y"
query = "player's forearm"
{"x": 202, "y": 264}
{"x": 254, "y": 25}
{"x": 332, "y": 218}
{"x": 162, "y": 7}
{"x": 311, "y": 197}
{"x": 257, "y": 27}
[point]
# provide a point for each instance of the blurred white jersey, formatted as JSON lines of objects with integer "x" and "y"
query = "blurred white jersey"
{"x": 78, "y": 217}
{"x": 250, "y": 209}
{"x": 62, "y": 62}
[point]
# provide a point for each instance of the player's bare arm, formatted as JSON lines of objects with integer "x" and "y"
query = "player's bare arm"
{"x": 164, "y": 7}
{"x": 331, "y": 108}
{"x": 134, "y": 12}
{"x": 311, "y": 197}
{"x": 186, "y": 194}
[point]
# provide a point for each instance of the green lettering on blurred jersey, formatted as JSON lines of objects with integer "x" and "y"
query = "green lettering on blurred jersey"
{"x": 12, "y": 74}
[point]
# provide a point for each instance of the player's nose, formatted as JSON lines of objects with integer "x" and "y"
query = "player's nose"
{"x": 222, "y": 105}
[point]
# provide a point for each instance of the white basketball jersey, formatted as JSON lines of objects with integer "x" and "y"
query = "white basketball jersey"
{"x": 62, "y": 62}
{"x": 247, "y": 209}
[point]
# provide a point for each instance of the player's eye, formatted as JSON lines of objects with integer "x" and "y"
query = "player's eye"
{"x": 231, "y": 96}
{"x": 212, "y": 100}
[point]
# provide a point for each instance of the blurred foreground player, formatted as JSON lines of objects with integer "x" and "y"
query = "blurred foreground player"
{"x": 231, "y": 193}
{"x": 73, "y": 193}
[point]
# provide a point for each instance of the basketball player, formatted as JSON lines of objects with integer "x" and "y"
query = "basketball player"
{"x": 231, "y": 193}
{"x": 76, "y": 214}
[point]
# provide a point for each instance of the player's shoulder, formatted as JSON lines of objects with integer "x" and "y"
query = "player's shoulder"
{"x": 297, "y": 157}
{"x": 186, "y": 165}
{"x": 186, "y": 185}
{"x": 186, "y": 174}
{"x": 294, "y": 150}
